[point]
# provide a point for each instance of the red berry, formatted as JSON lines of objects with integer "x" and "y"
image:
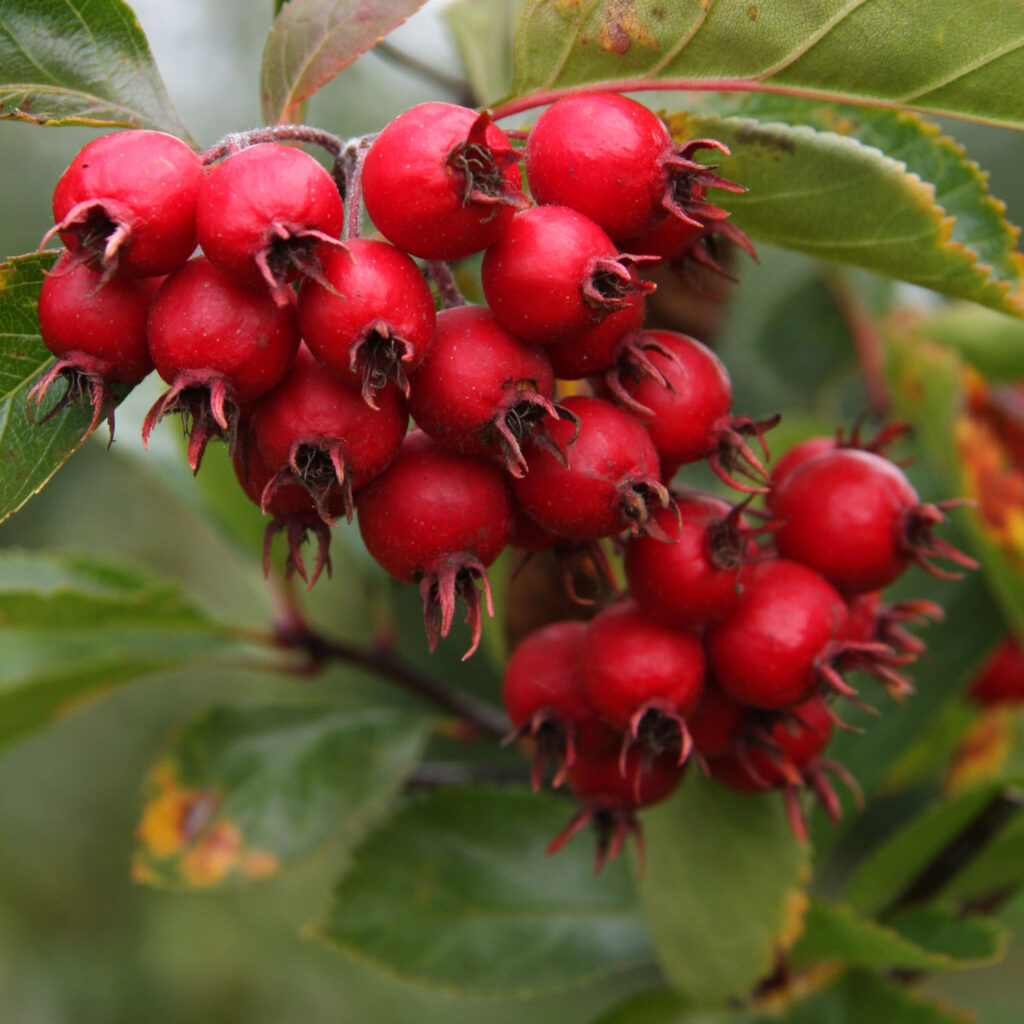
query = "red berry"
{"x": 599, "y": 348}
{"x": 717, "y": 724}
{"x": 611, "y": 480}
{"x": 219, "y": 345}
{"x": 1001, "y": 679}
{"x": 318, "y": 432}
{"x": 441, "y": 181}
{"x": 854, "y": 517}
{"x": 369, "y": 317}
{"x": 438, "y": 518}
{"x": 686, "y": 408}
{"x": 127, "y": 203}
{"x": 554, "y": 274}
{"x": 97, "y": 331}
{"x": 697, "y": 579}
{"x": 481, "y": 390}
{"x": 261, "y": 213}
{"x": 777, "y": 646}
{"x": 613, "y": 159}
{"x": 642, "y": 679}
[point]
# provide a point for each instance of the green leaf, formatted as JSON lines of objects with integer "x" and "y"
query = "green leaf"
{"x": 73, "y": 627}
{"x": 483, "y": 34}
{"x": 30, "y": 452}
{"x": 922, "y": 938}
{"x": 80, "y": 62}
{"x": 888, "y": 872}
{"x": 242, "y": 792}
{"x": 455, "y": 891}
{"x": 833, "y": 197}
{"x": 832, "y": 50}
{"x": 312, "y": 40}
{"x": 722, "y": 889}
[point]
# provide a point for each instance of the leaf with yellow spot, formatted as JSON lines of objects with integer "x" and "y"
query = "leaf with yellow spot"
{"x": 242, "y": 792}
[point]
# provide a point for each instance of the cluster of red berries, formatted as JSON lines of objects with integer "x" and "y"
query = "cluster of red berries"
{"x": 308, "y": 348}
{"x": 733, "y": 645}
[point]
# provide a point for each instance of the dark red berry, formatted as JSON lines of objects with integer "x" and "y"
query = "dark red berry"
{"x": 554, "y": 274}
{"x": 697, "y": 579}
{"x": 610, "y": 484}
{"x": 777, "y": 646}
{"x": 438, "y": 519}
{"x": 316, "y": 431}
{"x": 854, "y": 517}
{"x": 717, "y": 724}
{"x": 127, "y": 203}
{"x": 613, "y": 159}
{"x": 97, "y": 331}
{"x": 441, "y": 181}
{"x": 686, "y": 408}
{"x": 219, "y": 345}
{"x": 642, "y": 679}
{"x": 599, "y": 348}
{"x": 369, "y": 318}
{"x": 262, "y": 212}
{"x": 1001, "y": 679}
{"x": 481, "y": 390}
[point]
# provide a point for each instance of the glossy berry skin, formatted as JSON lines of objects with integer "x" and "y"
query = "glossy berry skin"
{"x": 318, "y": 431}
{"x": 601, "y": 154}
{"x": 441, "y": 182}
{"x": 1001, "y": 679}
{"x": 103, "y": 322}
{"x": 219, "y": 345}
{"x": 481, "y": 389}
{"x": 696, "y": 579}
{"x": 554, "y": 274}
{"x": 611, "y": 478}
{"x": 127, "y": 203}
{"x": 600, "y": 780}
{"x": 261, "y": 211}
{"x": 598, "y": 349}
{"x": 843, "y": 513}
{"x": 767, "y": 654}
{"x": 374, "y": 320}
{"x": 717, "y": 724}
{"x": 629, "y": 664}
{"x": 437, "y": 518}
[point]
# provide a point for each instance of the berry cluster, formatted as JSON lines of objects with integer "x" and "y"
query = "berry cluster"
{"x": 308, "y": 348}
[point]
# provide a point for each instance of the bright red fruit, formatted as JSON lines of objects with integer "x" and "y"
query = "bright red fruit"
{"x": 262, "y": 212}
{"x": 127, "y": 203}
{"x": 438, "y": 518}
{"x": 219, "y": 345}
{"x": 554, "y": 274}
{"x": 441, "y": 181}
{"x": 611, "y": 481}
{"x": 369, "y": 316}
{"x": 855, "y": 518}
{"x": 97, "y": 331}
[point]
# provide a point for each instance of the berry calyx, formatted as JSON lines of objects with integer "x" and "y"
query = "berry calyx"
{"x": 219, "y": 345}
{"x": 369, "y": 317}
{"x": 262, "y": 213}
{"x": 554, "y": 274}
{"x": 127, "y": 204}
{"x": 441, "y": 181}
{"x": 316, "y": 431}
{"x": 611, "y": 483}
{"x": 481, "y": 390}
{"x": 439, "y": 519}
{"x": 97, "y": 331}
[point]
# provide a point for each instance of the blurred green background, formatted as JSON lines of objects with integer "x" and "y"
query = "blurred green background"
{"x": 79, "y": 942}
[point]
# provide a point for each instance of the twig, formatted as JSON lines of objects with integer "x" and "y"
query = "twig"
{"x": 436, "y": 775}
{"x": 453, "y": 83}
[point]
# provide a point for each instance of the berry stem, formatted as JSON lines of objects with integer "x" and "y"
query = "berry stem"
{"x": 234, "y": 141}
{"x": 444, "y": 280}
{"x": 352, "y": 173}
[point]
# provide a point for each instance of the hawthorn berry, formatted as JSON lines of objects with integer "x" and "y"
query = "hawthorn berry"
{"x": 263, "y": 211}
{"x": 1001, "y": 679}
{"x": 554, "y": 274}
{"x": 97, "y": 331}
{"x": 441, "y": 181}
{"x": 219, "y": 345}
{"x": 610, "y": 484}
{"x": 127, "y": 204}
{"x": 368, "y": 316}
{"x": 480, "y": 390}
{"x": 439, "y": 519}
